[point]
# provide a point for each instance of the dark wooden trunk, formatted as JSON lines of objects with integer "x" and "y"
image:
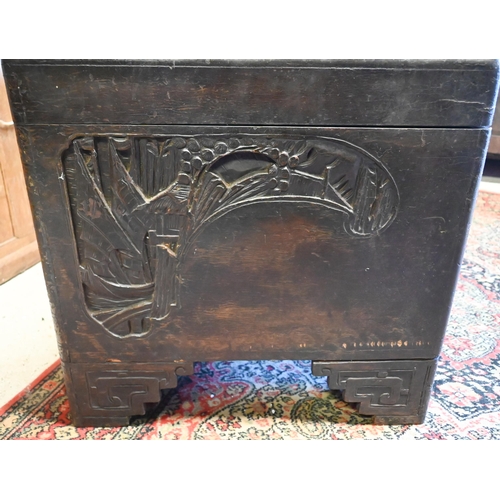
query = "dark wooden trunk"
{"x": 192, "y": 211}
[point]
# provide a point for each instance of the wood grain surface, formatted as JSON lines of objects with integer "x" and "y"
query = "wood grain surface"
{"x": 422, "y": 94}
{"x": 225, "y": 210}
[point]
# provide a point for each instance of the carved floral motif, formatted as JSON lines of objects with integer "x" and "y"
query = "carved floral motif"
{"x": 138, "y": 203}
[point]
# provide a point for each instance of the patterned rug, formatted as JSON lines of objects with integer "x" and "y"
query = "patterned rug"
{"x": 282, "y": 400}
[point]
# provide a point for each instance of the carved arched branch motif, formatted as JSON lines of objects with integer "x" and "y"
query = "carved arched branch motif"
{"x": 138, "y": 204}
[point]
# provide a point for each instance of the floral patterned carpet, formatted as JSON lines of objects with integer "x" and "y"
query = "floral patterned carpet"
{"x": 282, "y": 400}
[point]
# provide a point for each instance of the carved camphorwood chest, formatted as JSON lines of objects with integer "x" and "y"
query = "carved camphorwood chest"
{"x": 224, "y": 210}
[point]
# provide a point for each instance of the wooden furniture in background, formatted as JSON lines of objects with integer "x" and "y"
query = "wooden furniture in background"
{"x": 18, "y": 246}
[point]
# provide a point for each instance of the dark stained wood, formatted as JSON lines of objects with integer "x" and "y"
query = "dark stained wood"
{"x": 168, "y": 244}
{"x": 114, "y": 391}
{"x": 354, "y": 93}
{"x": 246, "y": 247}
{"x": 394, "y": 392}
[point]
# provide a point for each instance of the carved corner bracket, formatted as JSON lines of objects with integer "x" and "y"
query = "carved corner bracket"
{"x": 110, "y": 393}
{"x": 394, "y": 392}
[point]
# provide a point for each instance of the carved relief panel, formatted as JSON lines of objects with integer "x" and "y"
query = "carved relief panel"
{"x": 139, "y": 203}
